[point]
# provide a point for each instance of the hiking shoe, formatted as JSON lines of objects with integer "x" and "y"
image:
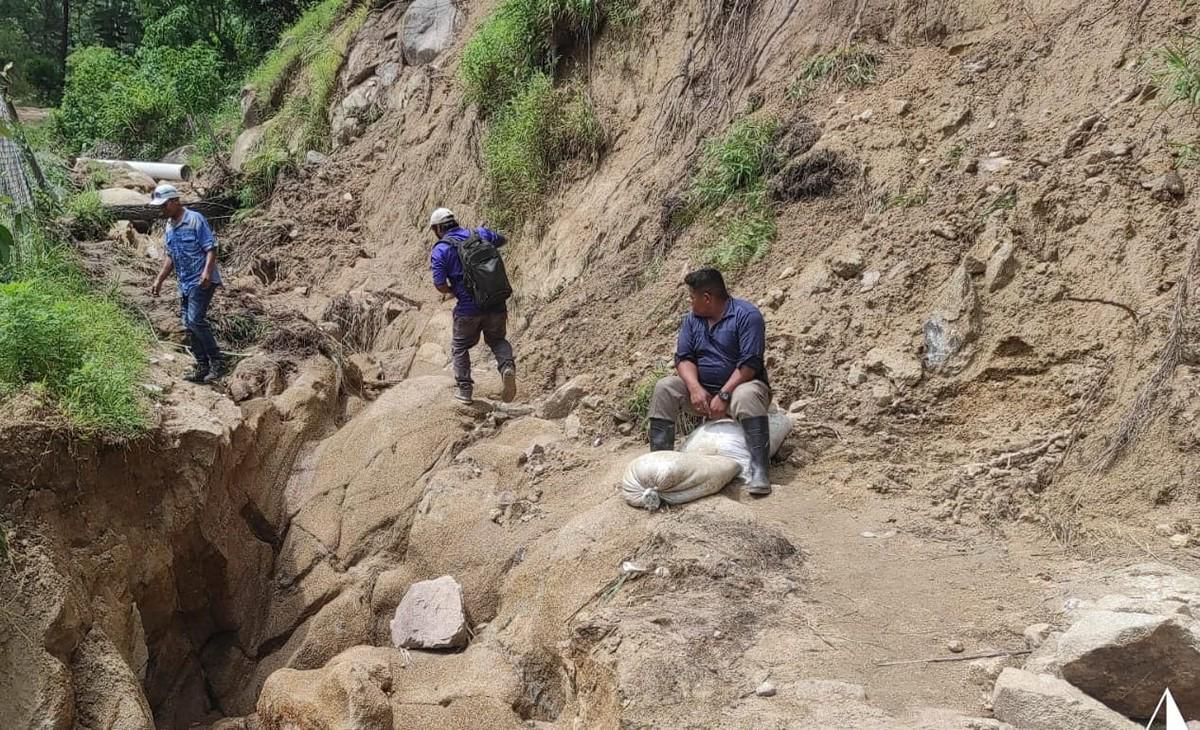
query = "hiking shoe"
{"x": 198, "y": 374}
{"x": 509, "y": 376}
{"x": 215, "y": 373}
{"x": 463, "y": 395}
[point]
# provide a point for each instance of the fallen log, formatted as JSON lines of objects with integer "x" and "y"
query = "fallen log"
{"x": 210, "y": 209}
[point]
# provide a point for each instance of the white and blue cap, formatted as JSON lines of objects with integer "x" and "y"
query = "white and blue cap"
{"x": 163, "y": 193}
{"x": 441, "y": 216}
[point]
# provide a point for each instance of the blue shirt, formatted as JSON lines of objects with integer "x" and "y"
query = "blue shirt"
{"x": 447, "y": 267}
{"x": 188, "y": 244}
{"x": 738, "y": 339}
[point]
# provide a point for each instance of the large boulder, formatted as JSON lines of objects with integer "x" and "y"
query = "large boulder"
{"x": 123, "y": 196}
{"x": 563, "y": 400}
{"x": 428, "y": 29}
{"x": 431, "y": 616}
{"x": 1126, "y": 660}
{"x": 244, "y": 146}
{"x": 351, "y": 692}
{"x": 1040, "y": 702}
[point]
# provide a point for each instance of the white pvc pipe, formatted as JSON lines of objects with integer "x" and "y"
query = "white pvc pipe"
{"x": 156, "y": 170}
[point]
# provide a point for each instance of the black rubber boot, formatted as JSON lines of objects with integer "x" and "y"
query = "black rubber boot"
{"x": 198, "y": 374}
{"x": 662, "y": 434}
{"x": 758, "y": 441}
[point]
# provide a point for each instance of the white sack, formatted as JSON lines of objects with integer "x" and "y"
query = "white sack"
{"x": 726, "y": 438}
{"x": 674, "y": 478}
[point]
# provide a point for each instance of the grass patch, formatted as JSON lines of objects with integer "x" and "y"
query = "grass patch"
{"x": 732, "y": 175}
{"x": 305, "y": 40}
{"x": 1185, "y": 154}
{"x": 1005, "y": 201}
{"x": 302, "y": 122}
{"x": 638, "y": 404}
{"x": 76, "y": 349}
{"x": 735, "y": 163}
{"x": 88, "y": 219}
{"x": 527, "y": 143}
{"x": 852, "y": 67}
{"x": 1175, "y": 70}
{"x": 745, "y": 237}
{"x": 911, "y": 197}
{"x": 517, "y": 41}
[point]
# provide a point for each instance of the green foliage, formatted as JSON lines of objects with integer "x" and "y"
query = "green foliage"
{"x": 145, "y": 103}
{"x": 302, "y": 122}
{"x": 737, "y": 162}
{"x": 732, "y": 176}
{"x": 910, "y": 197}
{"x": 87, "y": 215}
{"x": 1175, "y": 70}
{"x": 82, "y": 350}
{"x": 847, "y": 66}
{"x": 638, "y": 404}
{"x": 517, "y": 40}
{"x": 745, "y": 236}
{"x": 529, "y": 140}
{"x": 1004, "y": 201}
{"x": 307, "y": 39}
{"x": 8, "y": 246}
{"x": 1186, "y": 154}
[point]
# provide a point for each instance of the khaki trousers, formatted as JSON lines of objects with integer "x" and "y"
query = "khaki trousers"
{"x": 671, "y": 397}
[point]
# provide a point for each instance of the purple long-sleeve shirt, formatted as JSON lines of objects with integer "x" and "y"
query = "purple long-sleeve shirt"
{"x": 447, "y": 268}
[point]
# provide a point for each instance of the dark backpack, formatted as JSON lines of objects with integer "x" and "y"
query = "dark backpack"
{"x": 483, "y": 272}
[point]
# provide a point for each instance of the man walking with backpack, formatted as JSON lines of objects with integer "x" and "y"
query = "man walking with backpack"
{"x": 467, "y": 264}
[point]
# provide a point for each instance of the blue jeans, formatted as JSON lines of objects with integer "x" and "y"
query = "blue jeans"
{"x": 194, "y": 313}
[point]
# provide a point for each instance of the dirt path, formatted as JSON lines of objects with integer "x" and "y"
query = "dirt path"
{"x": 904, "y": 594}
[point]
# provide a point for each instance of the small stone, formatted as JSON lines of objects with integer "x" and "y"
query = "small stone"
{"x": 766, "y": 689}
{"x": 625, "y": 429}
{"x": 899, "y": 107}
{"x": 1120, "y": 149}
{"x": 775, "y": 298}
{"x": 1036, "y": 635}
{"x": 856, "y": 376}
{"x": 1180, "y": 540}
{"x": 944, "y": 229}
{"x": 597, "y": 442}
{"x": 662, "y": 572}
{"x": 1166, "y": 187}
{"x": 1164, "y": 529}
{"x": 977, "y": 67}
{"x": 870, "y": 279}
{"x": 992, "y": 164}
{"x": 717, "y": 634}
{"x": 955, "y": 646}
{"x": 847, "y": 264}
{"x": 312, "y": 157}
{"x": 865, "y": 115}
{"x": 348, "y": 197}
{"x": 787, "y": 273}
{"x": 497, "y": 515}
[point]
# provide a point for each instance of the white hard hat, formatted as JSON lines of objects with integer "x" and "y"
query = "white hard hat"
{"x": 440, "y": 216}
{"x": 163, "y": 193}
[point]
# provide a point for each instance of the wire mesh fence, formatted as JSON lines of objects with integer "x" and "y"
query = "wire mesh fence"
{"x": 15, "y": 182}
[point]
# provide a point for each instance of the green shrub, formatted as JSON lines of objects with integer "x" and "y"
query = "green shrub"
{"x": 304, "y": 40}
{"x": 737, "y": 162}
{"x": 517, "y": 41}
{"x": 539, "y": 130}
{"x": 853, "y": 67}
{"x": 745, "y": 237}
{"x": 87, "y": 215}
{"x": 311, "y": 54}
{"x": 638, "y": 404}
{"x": 144, "y": 104}
{"x": 82, "y": 350}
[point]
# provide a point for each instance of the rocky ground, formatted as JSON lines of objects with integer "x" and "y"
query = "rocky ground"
{"x": 960, "y": 536}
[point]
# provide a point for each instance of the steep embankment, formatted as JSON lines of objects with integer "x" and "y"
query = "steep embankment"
{"x": 980, "y": 254}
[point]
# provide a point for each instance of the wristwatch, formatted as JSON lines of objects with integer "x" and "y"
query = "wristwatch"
{"x": 725, "y": 396}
